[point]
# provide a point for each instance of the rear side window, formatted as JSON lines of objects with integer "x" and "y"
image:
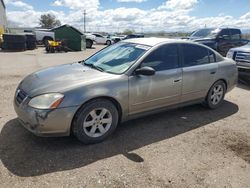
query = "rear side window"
{"x": 235, "y": 34}
{"x": 163, "y": 58}
{"x": 194, "y": 55}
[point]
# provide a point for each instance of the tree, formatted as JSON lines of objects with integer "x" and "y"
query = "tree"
{"x": 49, "y": 21}
{"x": 128, "y": 32}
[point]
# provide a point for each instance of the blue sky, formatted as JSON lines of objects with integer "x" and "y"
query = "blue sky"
{"x": 205, "y": 8}
{"x": 150, "y": 14}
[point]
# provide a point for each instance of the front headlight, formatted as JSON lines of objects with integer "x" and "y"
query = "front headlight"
{"x": 230, "y": 54}
{"x": 46, "y": 101}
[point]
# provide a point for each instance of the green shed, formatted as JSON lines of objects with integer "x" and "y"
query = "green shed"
{"x": 74, "y": 38}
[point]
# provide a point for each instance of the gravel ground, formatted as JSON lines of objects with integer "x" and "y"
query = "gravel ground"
{"x": 187, "y": 147}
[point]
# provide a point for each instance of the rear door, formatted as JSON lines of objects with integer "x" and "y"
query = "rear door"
{"x": 100, "y": 39}
{"x": 236, "y": 38}
{"x": 224, "y": 41}
{"x": 159, "y": 90}
{"x": 199, "y": 71}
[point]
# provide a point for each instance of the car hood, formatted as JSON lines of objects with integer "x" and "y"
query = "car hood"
{"x": 204, "y": 40}
{"x": 245, "y": 48}
{"x": 61, "y": 78}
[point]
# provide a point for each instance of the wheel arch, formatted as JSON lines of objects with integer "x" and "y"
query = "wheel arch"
{"x": 47, "y": 37}
{"x": 108, "y": 40}
{"x": 111, "y": 99}
{"x": 221, "y": 79}
{"x": 91, "y": 42}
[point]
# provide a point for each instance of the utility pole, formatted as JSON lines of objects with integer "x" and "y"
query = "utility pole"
{"x": 142, "y": 30}
{"x": 84, "y": 20}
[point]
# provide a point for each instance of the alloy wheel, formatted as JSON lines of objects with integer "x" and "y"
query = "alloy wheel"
{"x": 97, "y": 122}
{"x": 217, "y": 94}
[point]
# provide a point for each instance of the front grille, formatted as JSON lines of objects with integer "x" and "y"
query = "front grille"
{"x": 234, "y": 55}
{"x": 20, "y": 96}
{"x": 243, "y": 57}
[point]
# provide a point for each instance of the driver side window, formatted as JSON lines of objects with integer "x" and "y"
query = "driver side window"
{"x": 225, "y": 34}
{"x": 163, "y": 58}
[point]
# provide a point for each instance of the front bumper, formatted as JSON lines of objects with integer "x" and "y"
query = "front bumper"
{"x": 244, "y": 72}
{"x": 56, "y": 122}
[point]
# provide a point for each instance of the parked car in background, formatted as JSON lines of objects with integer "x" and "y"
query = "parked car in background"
{"x": 100, "y": 39}
{"x": 90, "y": 39}
{"x": 131, "y": 36}
{"x": 44, "y": 35}
{"x": 126, "y": 80}
{"x": 116, "y": 38}
{"x": 242, "y": 56}
{"x": 220, "y": 39}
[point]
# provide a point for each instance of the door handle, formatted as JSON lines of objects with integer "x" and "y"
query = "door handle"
{"x": 177, "y": 80}
{"x": 212, "y": 72}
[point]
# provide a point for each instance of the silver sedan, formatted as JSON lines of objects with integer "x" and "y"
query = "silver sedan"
{"x": 129, "y": 79}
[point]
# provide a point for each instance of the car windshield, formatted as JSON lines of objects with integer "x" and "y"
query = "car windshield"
{"x": 203, "y": 33}
{"x": 117, "y": 58}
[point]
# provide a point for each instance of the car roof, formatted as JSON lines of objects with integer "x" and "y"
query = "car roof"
{"x": 153, "y": 41}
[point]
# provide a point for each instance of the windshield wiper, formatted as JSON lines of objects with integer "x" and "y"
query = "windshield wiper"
{"x": 82, "y": 61}
{"x": 93, "y": 66}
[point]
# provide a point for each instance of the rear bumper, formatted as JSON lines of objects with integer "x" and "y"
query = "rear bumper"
{"x": 56, "y": 122}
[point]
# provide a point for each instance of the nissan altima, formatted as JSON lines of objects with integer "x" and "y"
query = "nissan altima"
{"x": 132, "y": 78}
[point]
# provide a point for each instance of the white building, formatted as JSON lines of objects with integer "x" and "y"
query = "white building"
{"x": 3, "y": 18}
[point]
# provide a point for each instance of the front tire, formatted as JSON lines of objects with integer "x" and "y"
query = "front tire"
{"x": 216, "y": 94}
{"x": 95, "y": 121}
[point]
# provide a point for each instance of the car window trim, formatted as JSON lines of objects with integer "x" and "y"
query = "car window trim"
{"x": 215, "y": 59}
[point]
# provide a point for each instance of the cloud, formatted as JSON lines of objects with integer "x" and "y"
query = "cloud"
{"x": 173, "y": 18}
{"x": 179, "y": 4}
{"x": 78, "y": 4}
{"x": 245, "y": 16}
{"x": 19, "y": 4}
{"x": 133, "y": 1}
{"x": 29, "y": 18}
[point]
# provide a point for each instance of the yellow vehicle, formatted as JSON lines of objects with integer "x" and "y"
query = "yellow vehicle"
{"x": 53, "y": 46}
{"x": 1, "y": 35}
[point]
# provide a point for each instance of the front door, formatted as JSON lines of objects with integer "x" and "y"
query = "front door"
{"x": 160, "y": 90}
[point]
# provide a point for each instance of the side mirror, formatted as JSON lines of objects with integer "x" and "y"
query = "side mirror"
{"x": 146, "y": 71}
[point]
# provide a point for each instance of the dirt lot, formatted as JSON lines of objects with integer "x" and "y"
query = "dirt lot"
{"x": 188, "y": 147}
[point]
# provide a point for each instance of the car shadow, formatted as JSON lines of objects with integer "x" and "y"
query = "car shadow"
{"x": 26, "y": 155}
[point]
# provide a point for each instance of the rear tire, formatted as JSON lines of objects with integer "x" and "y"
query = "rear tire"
{"x": 46, "y": 39}
{"x": 95, "y": 121}
{"x": 89, "y": 43}
{"x": 108, "y": 42}
{"x": 216, "y": 94}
